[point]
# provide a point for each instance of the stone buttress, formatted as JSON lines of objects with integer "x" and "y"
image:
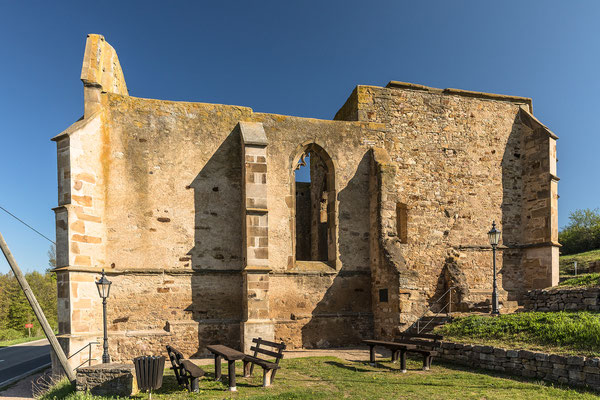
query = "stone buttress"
{"x": 256, "y": 320}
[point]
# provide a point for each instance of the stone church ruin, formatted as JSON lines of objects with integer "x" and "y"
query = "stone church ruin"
{"x": 195, "y": 213}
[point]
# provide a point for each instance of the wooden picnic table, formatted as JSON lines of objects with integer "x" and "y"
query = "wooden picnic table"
{"x": 231, "y": 355}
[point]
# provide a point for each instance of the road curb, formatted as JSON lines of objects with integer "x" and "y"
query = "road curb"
{"x": 22, "y": 376}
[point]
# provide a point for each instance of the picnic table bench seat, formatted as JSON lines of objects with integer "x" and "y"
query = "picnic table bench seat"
{"x": 269, "y": 368}
{"x": 186, "y": 372}
{"x": 425, "y": 344}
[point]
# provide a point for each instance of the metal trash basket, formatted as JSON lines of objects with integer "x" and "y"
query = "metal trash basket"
{"x": 149, "y": 372}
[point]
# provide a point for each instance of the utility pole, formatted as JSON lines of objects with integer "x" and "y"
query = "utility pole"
{"x": 39, "y": 313}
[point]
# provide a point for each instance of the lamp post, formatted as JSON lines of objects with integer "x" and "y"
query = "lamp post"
{"x": 494, "y": 238}
{"x": 103, "y": 285}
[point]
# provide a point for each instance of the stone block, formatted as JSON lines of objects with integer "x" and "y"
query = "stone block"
{"x": 254, "y": 329}
{"x": 591, "y": 370}
{"x": 554, "y": 358}
{"x": 526, "y": 354}
{"x": 500, "y": 352}
{"x": 592, "y": 362}
{"x": 529, "y": 373}
{"x": 592, "y": 379}
{"x": 576, "y": 360}
{"x": 107, "y": 380}
{"x": 576, "y": 375}
{"x": 512, "y": 353}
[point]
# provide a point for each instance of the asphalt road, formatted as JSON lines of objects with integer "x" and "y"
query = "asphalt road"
{"x": 23, "y": 358}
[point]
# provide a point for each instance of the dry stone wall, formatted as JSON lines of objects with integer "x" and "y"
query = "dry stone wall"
{"x": 571, "y": 370}
{"x": 563, "y": 299}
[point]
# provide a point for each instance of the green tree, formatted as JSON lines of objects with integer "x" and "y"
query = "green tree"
{"x": 52, "y": 257}
{"x": 582, "y": 233}
{"x": 4, "y": 300}
{"x": 15, "y": 310}
{"x": 19, "y": 311}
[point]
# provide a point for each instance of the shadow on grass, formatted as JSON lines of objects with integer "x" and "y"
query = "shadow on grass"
{"x": 378, "y": 365}
{"x": 207, "y": 384}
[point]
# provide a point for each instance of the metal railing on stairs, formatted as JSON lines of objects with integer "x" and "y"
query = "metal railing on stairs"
{"x": 90, "y": 359}
{"x": 448, "y": 305}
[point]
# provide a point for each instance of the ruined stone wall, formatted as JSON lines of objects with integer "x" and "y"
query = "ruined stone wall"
{"x": 174, "y": 165}
{"x": 459, "y": 159}
{"x": 316, "y": 310}
{"x": 305, "y": 297}
{"x": 190, "y": 207}
{"x": 173, "y": 222}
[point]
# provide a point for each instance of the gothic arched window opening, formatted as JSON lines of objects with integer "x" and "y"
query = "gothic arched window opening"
{"x": 315, "y": 206}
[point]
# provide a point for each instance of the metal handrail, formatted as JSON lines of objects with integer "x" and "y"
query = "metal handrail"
{"x": 449, "y": 305}
{"x": 90, "y": 359}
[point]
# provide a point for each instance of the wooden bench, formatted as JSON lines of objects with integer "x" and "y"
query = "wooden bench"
{"x": 394, "y": 347}
{"x": 269, "y": 368}
{"x": 425, "y": 344}
{"x": 186, "y": 372}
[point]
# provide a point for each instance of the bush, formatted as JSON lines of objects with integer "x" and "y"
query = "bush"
{"x": 10, "y": 334}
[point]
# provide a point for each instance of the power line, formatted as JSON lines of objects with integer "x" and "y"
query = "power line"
{"x": 27, "y": 225}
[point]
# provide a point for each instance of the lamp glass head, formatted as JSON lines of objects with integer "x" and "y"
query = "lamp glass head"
{"x": 494, "y": 235}
{"x": 103, "y": 286}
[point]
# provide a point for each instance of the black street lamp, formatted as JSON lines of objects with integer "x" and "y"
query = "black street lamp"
{"x": 494, "y": 238}
{"x": 103, "y": 285}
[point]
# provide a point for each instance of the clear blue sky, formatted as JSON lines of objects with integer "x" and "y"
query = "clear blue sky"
{"x": 298, "y": 58}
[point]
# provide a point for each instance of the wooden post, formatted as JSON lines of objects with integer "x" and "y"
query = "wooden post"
{"x": 39, "y": 313}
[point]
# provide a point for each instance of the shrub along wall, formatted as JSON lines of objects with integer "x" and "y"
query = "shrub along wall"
{"x": 563, "y": 299}
{"x": 571, "y": 370}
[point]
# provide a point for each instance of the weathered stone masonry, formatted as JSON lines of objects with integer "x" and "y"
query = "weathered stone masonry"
{"x": 572, "y": 370}
{"x": 563, "y": 299}
{"x": 191, "y": 209}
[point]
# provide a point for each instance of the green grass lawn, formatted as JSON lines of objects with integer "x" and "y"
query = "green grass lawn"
{"x": 554, "y": 332}
{"x": 333, "y": 378}
{"x": 566, "y": 262}
{"x": 592, "y": 279}
{"x": 6, "y": 343}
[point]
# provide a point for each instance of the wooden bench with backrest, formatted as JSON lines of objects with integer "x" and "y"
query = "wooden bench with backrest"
{"x": 426, "y": 344}
{"x": 186, "y": 372}
{"x": 394, "y": 347}
{"x": 269, "y": 368}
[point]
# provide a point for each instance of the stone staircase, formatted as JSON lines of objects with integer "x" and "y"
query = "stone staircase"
{"x": 426, "y": 324}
